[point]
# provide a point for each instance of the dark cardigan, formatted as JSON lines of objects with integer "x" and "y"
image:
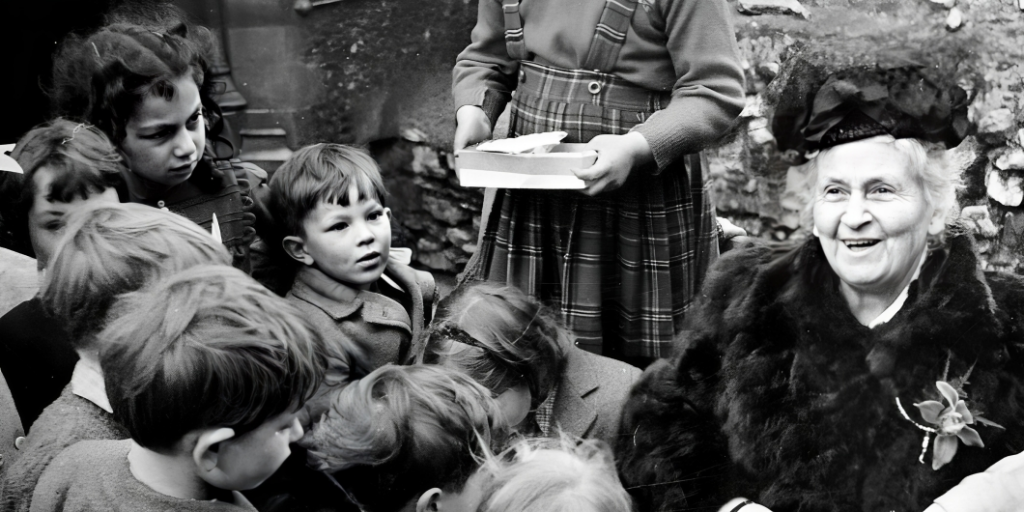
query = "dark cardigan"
{"x": 779, "y": 395}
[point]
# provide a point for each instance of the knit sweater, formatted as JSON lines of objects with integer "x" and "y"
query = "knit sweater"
{"x": 66, "y": 421}
{"x": 95, "y": 475}
{"x": 683, "y": 46}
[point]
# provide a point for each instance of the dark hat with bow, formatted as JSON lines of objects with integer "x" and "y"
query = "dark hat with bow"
{"x": 856, "y": 104}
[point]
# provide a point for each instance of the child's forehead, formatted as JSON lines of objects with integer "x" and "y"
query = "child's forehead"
{"x": 334, "y": 205}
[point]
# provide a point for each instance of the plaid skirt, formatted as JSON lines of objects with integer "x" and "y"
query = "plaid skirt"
{"x": 623, "y": 267}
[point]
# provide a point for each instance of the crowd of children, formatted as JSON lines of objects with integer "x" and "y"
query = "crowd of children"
{"x": 154, "y": 372}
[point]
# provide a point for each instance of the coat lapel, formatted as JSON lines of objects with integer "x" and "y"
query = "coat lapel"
{"x": 572, "y": 412}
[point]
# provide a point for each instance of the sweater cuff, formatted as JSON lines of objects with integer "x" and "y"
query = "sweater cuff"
{"x": 494, "y": 104}
{"x": 687, "y": 126}
{"x": 490, "y": 100}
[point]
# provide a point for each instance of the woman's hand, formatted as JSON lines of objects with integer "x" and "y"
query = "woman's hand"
{"x": 471, "y": 126}
{"x": 617, "y": 157}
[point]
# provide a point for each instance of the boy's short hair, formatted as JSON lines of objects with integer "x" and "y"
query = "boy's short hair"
{"x": 208, "y": 347}
{"x": 83, "y": 162}
{"x": 556, "y": 475}
{"x": 112, "y": 249}
{"x": 321, "y": 173}
{"x": 403, "y": 430}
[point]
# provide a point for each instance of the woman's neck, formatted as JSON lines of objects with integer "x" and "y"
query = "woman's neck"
{"x": 868, "y": 304}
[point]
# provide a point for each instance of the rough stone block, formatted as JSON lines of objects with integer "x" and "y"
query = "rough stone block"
{"x": 1012, "y": 159}
{"x": 436, "y": 261}
{"x": 459, "y": 237}
{"x": 445, "y": 210}
{"x": 996, "y": 121}
{"x": 979, "y": 215}
{"x": 1006, "y": 189}
{"x": 791, "y": 7}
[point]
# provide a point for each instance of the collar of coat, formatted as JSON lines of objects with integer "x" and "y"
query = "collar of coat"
{"x": 579, "y": 379}
{"x": 950, "y": 319}
{"x": 339, "y": 301}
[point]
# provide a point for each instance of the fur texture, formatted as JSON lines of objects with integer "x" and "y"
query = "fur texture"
{"x": 778, "y": 394}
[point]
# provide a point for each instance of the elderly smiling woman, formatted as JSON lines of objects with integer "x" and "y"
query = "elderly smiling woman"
{"x": 873, "y": 368}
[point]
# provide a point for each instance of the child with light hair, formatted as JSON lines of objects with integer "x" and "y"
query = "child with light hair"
{"x": 556, "y": 475}
{"x": 209, "y": 386}
{"x": 409, "y": 439}
{"x": 67, "y": 166}
{"x": 108, "y": 250}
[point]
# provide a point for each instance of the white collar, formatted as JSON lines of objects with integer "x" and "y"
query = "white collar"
{"x": 87, "y": 382}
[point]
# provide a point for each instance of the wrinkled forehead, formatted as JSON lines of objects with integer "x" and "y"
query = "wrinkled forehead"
{"x": 863, "y": 161}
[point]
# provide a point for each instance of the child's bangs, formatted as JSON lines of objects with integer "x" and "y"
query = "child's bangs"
{"x": 336, "y": 189}
{"x": 76, "y": 177}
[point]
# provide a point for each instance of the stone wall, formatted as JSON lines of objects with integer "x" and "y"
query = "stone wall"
{"x": 981, "y": 41}
{"x": 385, "y": 67}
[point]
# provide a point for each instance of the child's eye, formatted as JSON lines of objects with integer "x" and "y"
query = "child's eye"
{"x": 54, "y": 225}
{"x": 194, "y": 120}
{"x": 155, "y": 136}
{"x": 339, "y": 226}
{"x": 374, "y": 215}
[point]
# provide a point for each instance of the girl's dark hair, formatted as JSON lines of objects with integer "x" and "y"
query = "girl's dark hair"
{"x": 83, "y": 161}
{"x": 512, "y": 339}
{"x": 104, "y": 77}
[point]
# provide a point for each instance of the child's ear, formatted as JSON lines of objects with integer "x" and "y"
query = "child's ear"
{"x": 387, "y": 211}
{"x": 295, "y": 247}
{"x": 429, "y": 501}
{"x": 205, "y": 452}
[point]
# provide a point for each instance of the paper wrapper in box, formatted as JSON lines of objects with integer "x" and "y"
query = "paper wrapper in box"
{"x": 550, "y": 170}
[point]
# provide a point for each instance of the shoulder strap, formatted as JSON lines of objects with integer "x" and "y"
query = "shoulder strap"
{"x": 514, "y": 42}
{"x": 609, "y": 35}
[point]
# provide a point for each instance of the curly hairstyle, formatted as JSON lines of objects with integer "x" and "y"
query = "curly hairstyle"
{"x": 501, "y": 338}
{"x": 104, "y": 77}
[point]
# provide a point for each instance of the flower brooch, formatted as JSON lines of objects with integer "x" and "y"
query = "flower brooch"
{"x": 949, "y": 423}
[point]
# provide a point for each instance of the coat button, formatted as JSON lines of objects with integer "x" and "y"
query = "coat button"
{"x": 19, "y": 442}
{"x": 594, "y": 87}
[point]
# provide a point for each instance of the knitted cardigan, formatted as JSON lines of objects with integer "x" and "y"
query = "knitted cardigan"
{"x": 779, "y": 395}
{"x": 66, "y": 421}
{"x": 95, "y": 475}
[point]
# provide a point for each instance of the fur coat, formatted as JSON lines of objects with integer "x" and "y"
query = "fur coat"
{"x": 778, "y": 394}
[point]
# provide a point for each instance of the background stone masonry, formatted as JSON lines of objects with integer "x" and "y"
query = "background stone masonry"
{"x": 385, "y": 66}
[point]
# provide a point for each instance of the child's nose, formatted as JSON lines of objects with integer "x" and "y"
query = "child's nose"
{"x": 184, "y": 146}
{"x": 365, "y": 233}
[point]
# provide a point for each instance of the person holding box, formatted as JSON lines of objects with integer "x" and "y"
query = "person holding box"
{"x": 648, "y": 84}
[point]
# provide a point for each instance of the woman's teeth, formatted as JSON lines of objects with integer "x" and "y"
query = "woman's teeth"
{"x": 853, "y": 244}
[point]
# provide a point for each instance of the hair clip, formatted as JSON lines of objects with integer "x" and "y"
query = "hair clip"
{"x": 454, "y": 333}
{"x": 97, "y": 50}
{"x": 73, "y": 132}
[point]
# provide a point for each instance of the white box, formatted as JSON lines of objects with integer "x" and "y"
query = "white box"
{"x": 549, "y": 170}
